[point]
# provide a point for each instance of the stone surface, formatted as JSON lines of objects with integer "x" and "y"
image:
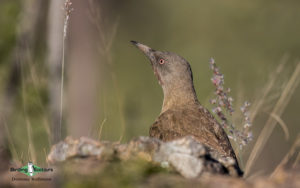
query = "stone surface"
{"x": 147, "y": 162}
{"x": 186, "y": 155}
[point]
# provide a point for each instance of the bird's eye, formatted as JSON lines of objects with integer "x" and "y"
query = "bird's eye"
{"x": 161, "y": 61}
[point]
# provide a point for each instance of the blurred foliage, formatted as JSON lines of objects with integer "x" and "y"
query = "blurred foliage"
{"x": 246, "y": 38}
{"x": 9, "y": 11}
{"x": 113, "y": 174}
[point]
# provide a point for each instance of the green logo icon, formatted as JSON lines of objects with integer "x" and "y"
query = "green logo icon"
{"x": 31, "y": 169}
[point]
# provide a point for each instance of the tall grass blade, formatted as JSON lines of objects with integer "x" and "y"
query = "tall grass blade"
{"x": 271, "y": 122}
{"x": 288, "y": 156}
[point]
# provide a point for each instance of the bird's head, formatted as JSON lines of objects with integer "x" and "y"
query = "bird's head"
{"x": 174, "y": 74}
{"x": 169, "y": 68}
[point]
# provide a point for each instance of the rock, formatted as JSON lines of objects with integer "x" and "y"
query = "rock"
{"x": 84, "y": 147}
{"x": 147, "y": 162}
{"x": 186, "y": 155}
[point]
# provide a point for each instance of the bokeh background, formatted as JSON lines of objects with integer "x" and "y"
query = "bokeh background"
{"x": 110, "y": 92}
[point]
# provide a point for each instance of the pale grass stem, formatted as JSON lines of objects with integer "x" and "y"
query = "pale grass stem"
{"x": 271, "y": 122}
{"x": 282, "y": 124}
{"x": 297, "y": 161}
{"x": 31, "y": 149}
{"x": 68, "y": 9}
{"x": 100, "y": 128}
{"x": 32, "y": 153}
{"x": 36, "y": 81}
{"x": 45, "y": 153}
{"x": 47, "y": 128}
{"x": 288, "y": 156}
{"x": 106, "y": 41}
{"x": 120, "y": 103}
{"x": 258, "y": 104}
{"x": 61, "y": 88}
{"x": 22, "y": 157}
{"x": 256, "y": 175}
{"x": 11, "y": 143}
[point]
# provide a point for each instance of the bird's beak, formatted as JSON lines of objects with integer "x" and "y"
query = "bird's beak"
{"x": 149, "y": 52}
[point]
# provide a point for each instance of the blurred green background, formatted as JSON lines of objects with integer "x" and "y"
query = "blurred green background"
{"x": 117, "y": 93}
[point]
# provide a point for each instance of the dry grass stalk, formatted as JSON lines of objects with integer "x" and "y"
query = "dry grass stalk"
{"x": 54, "y": 58}
{"x": 282, "y": 124}
{"x": 107, "y": 37}
{"x": 271, "y": 122}
{"x": 31, "y": 149}
{"x": 36, "y": 82}
{"x": 258, "y": 104}
{"x": 12, "y": 146}
{"x": 68, "y": 9}
{"x": 100, "y": 129}
{"x": 288, "y": 156}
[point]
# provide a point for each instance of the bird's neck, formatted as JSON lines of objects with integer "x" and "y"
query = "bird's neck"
{"x": 178, "y": 95}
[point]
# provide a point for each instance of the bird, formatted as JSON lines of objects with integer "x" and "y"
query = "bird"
{"x": 182, "y": 114}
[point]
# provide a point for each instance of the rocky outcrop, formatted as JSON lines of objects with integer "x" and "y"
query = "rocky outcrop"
{"x": 146, "y": 162}
{"x": 186, "y": 156}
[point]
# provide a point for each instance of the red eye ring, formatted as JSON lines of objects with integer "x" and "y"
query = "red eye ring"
{"x": 161, "y": 61}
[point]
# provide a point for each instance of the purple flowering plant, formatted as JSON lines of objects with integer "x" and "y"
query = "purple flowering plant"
{"x": 223, "y": 109}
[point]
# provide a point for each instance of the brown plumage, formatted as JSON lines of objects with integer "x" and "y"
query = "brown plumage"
{"x": 182, "y": 114}
{"x": 192, "y": 120}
